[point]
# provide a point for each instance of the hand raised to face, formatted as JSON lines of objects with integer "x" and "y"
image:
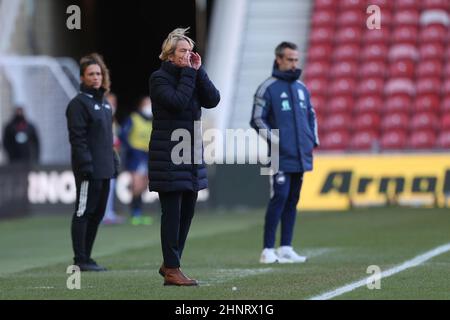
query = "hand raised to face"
{"x": 196, "y": 60}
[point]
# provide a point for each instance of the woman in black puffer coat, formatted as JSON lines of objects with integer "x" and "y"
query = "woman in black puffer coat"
{"x": 179, "y": 89}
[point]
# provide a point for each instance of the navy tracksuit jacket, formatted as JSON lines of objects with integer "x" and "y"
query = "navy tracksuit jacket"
{"x": 283, "y": 102}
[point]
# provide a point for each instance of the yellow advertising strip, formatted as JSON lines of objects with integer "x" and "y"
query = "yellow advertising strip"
{"x": 340, "y": 182}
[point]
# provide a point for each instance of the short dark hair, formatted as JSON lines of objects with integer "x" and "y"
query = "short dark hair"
{"x": 279, "y": 50}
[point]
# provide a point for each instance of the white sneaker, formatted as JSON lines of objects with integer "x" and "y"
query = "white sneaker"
{"x": 287, "y": 252}
{"x": 270, "y": 256}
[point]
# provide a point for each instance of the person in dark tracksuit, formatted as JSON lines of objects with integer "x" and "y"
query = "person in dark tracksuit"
{"x": 94, "y": 161}
{"x": 179, "y": 89}
{"x": 283, "y": 102}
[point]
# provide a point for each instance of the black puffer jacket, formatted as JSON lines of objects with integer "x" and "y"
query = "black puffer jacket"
{"x": 178, "y": 94}
{"x": 89, "y": 120}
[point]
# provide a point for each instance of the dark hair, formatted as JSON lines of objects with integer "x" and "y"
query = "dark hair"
{"x": 95, "y": 58}
{"x": 279, "y": 50}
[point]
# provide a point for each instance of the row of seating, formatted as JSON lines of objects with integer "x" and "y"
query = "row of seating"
{"x": 404, "y": 68}
{"x": 367, "y": 140}
{"x": 376, "y": 104}
{"x": 374, "y": 122}
{"x": 377, "y": 52}
{"x": 380, "y": 89}
{"x": 385, "y": 4}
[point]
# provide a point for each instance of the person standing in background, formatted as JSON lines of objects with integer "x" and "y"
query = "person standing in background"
{"x": 94, "y": 161}
{"x": 282, "y": 102}
{"x": 135, "y": 137}
{"x": 21, "y": 140}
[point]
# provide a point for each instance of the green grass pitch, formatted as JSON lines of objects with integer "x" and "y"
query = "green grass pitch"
{"x": 223, "y": 251}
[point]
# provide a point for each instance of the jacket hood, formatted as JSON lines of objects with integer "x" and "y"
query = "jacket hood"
{"x": 96, "y": 93}
{"x": 289, "y": 75}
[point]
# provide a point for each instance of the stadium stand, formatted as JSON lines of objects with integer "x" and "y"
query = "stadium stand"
{"x": 383, "y": 89}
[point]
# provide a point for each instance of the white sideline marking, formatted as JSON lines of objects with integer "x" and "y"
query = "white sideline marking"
{"x": 406, "y": 265}
{"x": 225, "y": 275}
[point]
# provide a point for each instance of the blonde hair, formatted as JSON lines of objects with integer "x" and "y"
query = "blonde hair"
{"x": 95, "y": 58}
{"x": 170, "y": 44}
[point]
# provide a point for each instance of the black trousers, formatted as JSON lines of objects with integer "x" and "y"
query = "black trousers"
{"x": 177, "y": 213}
{"x": 92, "y": 196}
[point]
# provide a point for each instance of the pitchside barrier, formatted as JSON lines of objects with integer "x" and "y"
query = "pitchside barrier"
{"x": 338, "y": 182}
{"x": 341, "y": 182}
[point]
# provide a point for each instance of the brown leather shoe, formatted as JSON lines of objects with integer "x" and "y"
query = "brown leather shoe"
{"x": 162, "y": 270}
{"x": 174, "y": 277}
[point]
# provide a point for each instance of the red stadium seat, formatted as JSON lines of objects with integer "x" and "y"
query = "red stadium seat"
{"x": 366, "y": 121}
{"x": 348, "y": 35}
{"x": 317, "y": 86}
{"x": 446, "y": 87}
{"x": 395, "y": 121}
{"x": 398, "y": 103}
{"x": 344, "y": 69}
{"x": 407, "y": 4}
{"x": 318, "y": 103}
{"x": 424, "y": 139}
{"x": 403, "y": 52}
{"x": 402, "y": 69}
{"x": 445, "y": 122}
{"x": 383, "y": 4}
{"x": 447, "y": 54}
{"x": 335, "y": 141}
{"x": 428, "y": 86}
{"x": 405, "y": 35}
{"x": 445, "y": 105}
{"x": 436, "y": 4}
{"x": 427, "y": 103}
{"x": 321, "y": 35}
{"x": 346, "y": 52}
{"x": 340, "y": 121}
{"x": 323, "y": 18}
{"x": 443, "y": 140}
{"x": 340, "y": 104}
{"x": 349, "y": 18}
{"x": 371, "y": 86}
{"x": 343, "y": 86}
{"x": 393, "y": 140}
{"x": 424, "y": 121}
{"x": 429, "y": 68}
{"x": 433, "y": 33}
{"x": 352, "y": 4}
{"x": 319, "y": 52}
{"x": 324, "y": 4}
{"x": 447, "y": 69}
{"x": 399, "y": 86}
{"x": 373, "y": 69}
{"x": 406, "y": 17}
{"x": 364, "y": 140}
{"x": 375, "y": 52}
{"x": 368, "y": 104}
{"x": 320, "y": 121}
{"x": 376, "y": 36}
{"x": 317, "y": 69}
{"x": 432, "y": 50}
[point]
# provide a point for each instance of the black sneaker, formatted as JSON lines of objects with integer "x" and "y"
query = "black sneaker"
{"x": 91, "y": 265}
{"x": 93, "y": 262}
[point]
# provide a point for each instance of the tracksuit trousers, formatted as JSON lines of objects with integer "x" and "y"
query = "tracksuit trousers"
{"x": 92, "y": 197}
{"x": 285, "y": 194}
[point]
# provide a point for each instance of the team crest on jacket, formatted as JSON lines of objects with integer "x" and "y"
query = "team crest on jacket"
{"x": 285, "y": 106}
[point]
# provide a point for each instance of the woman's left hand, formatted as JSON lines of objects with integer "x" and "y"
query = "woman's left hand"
{"x": 196, "y": 60}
